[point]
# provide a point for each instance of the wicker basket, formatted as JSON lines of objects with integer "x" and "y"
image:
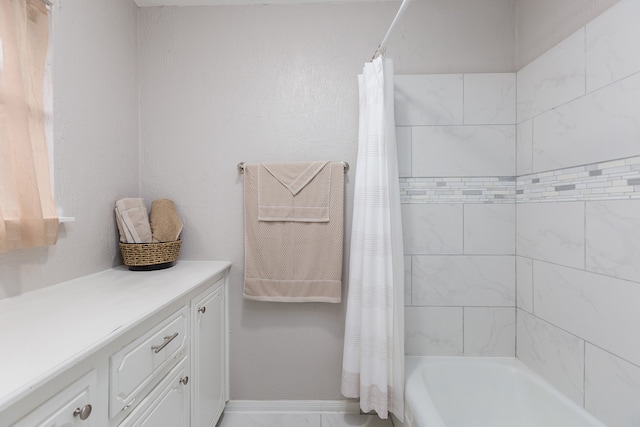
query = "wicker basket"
{"x": 150, "y": 256}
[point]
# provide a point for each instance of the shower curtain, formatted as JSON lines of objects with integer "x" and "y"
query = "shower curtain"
{"x": 373, "y": 359}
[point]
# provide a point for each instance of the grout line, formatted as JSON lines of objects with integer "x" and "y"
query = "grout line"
{"x": 584, "y": 34}
{"x": 582, "y": 96}
{"x": 464, "y": 251}
{"x": 579, "y": 165}
{"x": 410, "y": 280}
{"x": 463, "y": 117}
{"x": 533, "y": 134}
{"x": 584, "y": 340}
{"x": 584, "y": 374}
{"x": 584, "y": 237}
{"x": 463, "y": 329}
{"x": 584, "y": 270}
{"x": 533, "y": 284}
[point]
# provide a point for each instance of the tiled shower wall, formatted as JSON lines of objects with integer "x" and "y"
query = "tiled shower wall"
{"x": 572, "y": 188}
{"x": 578, "y": 217}
{"x": 456, "y": 144}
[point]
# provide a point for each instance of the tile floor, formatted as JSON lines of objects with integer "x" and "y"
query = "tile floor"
{"x": 235, "y": 419}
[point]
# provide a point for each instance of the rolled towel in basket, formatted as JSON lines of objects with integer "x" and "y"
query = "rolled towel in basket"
{"x": 134, "y": 220}
{"x": 166, "y": 225}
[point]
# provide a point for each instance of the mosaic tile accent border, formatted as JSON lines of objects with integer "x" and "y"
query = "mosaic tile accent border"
{"x": 617, "y": 179}
{"x": 458, "y": 190}
{"x": 610, "y": 180}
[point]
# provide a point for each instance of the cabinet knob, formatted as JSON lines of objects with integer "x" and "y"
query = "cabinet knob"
{"x": 202, "y": 310}
{"x": 83, "y": 413}
{"x": 184, "y": 380}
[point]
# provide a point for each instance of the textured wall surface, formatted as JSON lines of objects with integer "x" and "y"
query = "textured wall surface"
{"x": 95, "y": 142}
{"x": 223, "y": 85}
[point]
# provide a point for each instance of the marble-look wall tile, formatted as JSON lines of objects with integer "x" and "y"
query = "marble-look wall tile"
{"x": 270, "y": 420}
{"x": 612, "y": 388}
{"x": 613, "y": 234}
{"x": 600, "y": 309}
{"x": 489, "y": 229}
{"x": 603, "y": 125}
{"x": 403, "y": 140}
{"x": 407, "y": 280}
{"x": 551, "y": 232}
{"x": 524, "y": 283}
{"x": 612, "y": 45}
{"x": 463, "y": 151}
{"x": 433, "y": 331}
{"x": 553, "y": 79}
{"x": 552, "y": 353}
{"x": 489, "y": 331}
{"x": 524, "y": 148}
{"x": 428, "y": 99}
{"x": 432, "y": 228}
{"x": 463, "y": 281}
{"x": 490, "y": 99}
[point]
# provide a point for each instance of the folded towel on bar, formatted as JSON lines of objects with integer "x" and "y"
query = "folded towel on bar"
{"x": 291, "y": 256}
{"x": 297, "y": 191}
{"x": 165, "y": 222}
{"x": 134, "y": 220}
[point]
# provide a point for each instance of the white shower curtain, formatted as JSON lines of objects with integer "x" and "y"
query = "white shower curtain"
{"x": 373, "y": 360}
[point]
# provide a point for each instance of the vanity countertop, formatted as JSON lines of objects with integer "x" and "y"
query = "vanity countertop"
{"x": 46, "y": 331}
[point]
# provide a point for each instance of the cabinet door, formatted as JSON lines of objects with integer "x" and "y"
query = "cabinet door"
{"x": 168, "y": 403}
{"x": 67, "y": 408}
{"x": 208, "y": 357}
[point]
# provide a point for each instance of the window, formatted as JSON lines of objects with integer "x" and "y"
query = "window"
{"x": 27, "y": 212}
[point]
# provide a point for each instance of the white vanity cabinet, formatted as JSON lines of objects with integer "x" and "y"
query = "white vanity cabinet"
{"x": 143, "y": 360}
{"x": 168, "y": 403}
{"x": 208, "y": 356}
{"x": 69, "y": 408}
{"x": 118, "y": 349}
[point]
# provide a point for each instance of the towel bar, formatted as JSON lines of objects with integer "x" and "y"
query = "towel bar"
{"x": 241, "y": 167}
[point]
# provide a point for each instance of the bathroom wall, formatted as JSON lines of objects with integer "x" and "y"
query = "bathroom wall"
{"x": 544, "y": 23}
{"x": 578, "y": 215}
{"x": 95, "y": 141}
{"x": 222, "y": 85}
{"x": 457, "y": 151}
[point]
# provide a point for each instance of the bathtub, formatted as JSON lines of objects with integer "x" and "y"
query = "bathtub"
{"x": 484, "y": 392}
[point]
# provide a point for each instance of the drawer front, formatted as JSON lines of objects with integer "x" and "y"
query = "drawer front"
{"x": 70, "y": 407}
{"x": 143, "y": 360}
{"x": 167, "y": 405}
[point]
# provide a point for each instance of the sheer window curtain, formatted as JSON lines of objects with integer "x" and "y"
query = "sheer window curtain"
{"x": 28, "y": 215}
{"x": 373, "y": 360}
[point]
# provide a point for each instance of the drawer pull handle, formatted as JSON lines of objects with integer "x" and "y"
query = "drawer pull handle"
{"x": 167, "y": 340}
{"x": 202, "y": 310}
{"x": 184, "y": 380}
{"x": 83, "y": 413}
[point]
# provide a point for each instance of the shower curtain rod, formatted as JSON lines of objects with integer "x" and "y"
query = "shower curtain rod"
{"x": 240, "y": 167}
{"x": 383, "y": 43}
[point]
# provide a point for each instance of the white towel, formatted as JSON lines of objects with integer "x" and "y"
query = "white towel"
{"x": 134, "y": 220}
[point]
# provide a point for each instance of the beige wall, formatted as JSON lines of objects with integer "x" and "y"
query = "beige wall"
{"x": 544, "y": 23}
{"x": 95, "y": 141}
{"x": 222, "y": 85}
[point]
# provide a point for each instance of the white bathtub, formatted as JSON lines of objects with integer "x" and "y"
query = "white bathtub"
{"x": 484, "y": 392}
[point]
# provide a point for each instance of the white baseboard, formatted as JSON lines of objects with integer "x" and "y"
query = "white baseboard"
{"x": 293, "y": 406}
